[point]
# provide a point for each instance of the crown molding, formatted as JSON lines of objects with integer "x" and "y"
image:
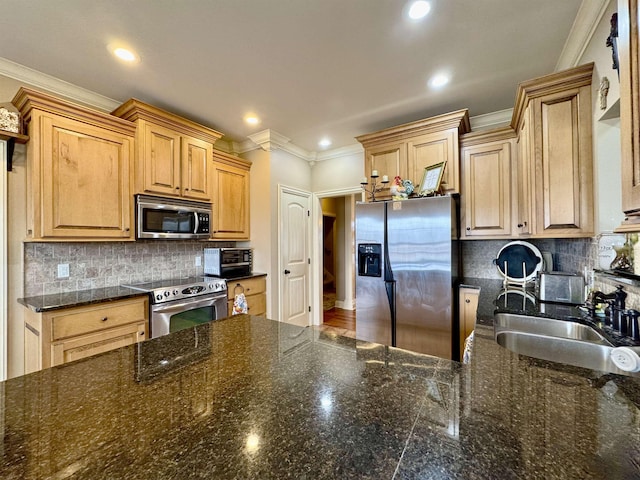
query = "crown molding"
{"x": 589, "y": 15}
{"x": 55, "y": 85}
{"x": 491, "y": 120}
{"x": 354, "y": 149}
{"x": 270, "y": 140}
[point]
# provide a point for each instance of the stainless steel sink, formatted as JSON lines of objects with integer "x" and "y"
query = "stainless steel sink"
{"x": 547, "y": 327}
{"x": 555, "y": 340}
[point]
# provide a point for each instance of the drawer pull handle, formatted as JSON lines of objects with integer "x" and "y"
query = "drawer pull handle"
{"x": 104, "y": 319}
{"x": 235, "y": 289}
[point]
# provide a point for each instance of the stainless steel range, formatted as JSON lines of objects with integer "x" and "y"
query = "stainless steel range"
{"x": 184, "y": 303}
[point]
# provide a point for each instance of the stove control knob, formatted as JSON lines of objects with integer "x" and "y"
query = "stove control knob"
{"x": 158, "y": 297}
{"x": 167, "y": 293}
{"x": 175, "y": 292}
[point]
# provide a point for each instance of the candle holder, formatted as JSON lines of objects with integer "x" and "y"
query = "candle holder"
{"x": 375, "y": 188}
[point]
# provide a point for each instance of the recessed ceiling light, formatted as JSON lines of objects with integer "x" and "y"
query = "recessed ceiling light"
{"x": 439, "y": 80}
{"x": 324, "y": 143}
{"x": 124, "y": 54}
{"x": 419, "y": 9}
{"x": 251, "y": 119}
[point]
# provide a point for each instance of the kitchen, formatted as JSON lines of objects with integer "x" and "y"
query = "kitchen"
{"x": 567, "y": 254}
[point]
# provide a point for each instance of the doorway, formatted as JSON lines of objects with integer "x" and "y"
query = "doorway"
{"x": 336, "y": 255}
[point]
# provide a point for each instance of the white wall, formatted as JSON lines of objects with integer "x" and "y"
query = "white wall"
{"x": 268, "y": 170}
{"x": 338, "y": 172}
{"x": 16, "y": 221}
{"x": 606, "y": 132}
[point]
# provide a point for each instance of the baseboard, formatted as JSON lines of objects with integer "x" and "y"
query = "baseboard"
{"x": 345, "y": 304}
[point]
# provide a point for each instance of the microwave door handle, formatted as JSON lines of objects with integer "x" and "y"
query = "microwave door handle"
{"x": 197, "y": 222}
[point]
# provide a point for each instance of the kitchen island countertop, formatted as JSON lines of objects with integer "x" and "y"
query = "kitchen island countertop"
{"x": 246, "y": 397}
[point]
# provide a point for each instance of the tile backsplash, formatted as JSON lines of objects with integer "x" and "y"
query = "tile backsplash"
{"x": 96, "y": 265}
{"x": 106, "y": 264}
{"x": 569, "y": 255}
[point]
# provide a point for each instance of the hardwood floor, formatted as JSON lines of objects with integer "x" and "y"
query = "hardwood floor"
{"x": 339, "y": 321}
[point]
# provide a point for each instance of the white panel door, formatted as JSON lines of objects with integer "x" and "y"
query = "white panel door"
{"x": 294, "y": 247}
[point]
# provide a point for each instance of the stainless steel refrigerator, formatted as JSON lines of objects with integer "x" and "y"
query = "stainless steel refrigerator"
{"x": 407, "y": 257}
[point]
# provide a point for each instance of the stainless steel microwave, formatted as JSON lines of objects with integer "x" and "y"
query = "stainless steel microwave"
{"x": 171, "y": 218}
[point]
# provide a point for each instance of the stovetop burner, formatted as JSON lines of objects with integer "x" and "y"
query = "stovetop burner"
{"x": 176, "y": 289}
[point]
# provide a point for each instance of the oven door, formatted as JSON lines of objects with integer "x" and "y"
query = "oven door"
{"x": 173, "y": 316}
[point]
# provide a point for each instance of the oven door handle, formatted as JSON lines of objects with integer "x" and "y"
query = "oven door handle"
{"x": 191, "y": 304}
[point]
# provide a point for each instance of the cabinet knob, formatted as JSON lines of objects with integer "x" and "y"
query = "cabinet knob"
{"x": 104, "y": 319}
{"x": 520, "y": 225}
{"x": 177, "y": 188}
{"x": 468, "y": 228}
{"x": 126, "y": 229}
{"x": 186, "y": 189}
{"x": 141, "y": 334}
{"x": 467, "y": 301}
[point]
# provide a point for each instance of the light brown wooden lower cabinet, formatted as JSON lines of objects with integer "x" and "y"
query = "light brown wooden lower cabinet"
{"x": 255, "y": 291}
{"x": 61, "y": 336}
{"x": 468, "y": 311}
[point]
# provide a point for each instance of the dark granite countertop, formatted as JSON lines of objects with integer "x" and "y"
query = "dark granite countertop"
{"x": 56, "y": 301}
{"x": 246, "y": 397}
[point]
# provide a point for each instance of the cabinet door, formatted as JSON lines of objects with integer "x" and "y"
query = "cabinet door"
{"x": 563, "y": 164}
{"x": 388, "y": 159}
{"x": 629, "y": 52}
{"x": 86, "y": 181}
{"x": 486, "y": 198}
{"x": 75, "y": 348}
{"x": 522, "y": 220}
{"x": 160, "y": 160}
{"x": 468, "y": 311}
{"x": 231, "y": 208}
{"x": 32, "y": 350}
{"x": 196, "y": 155}
{"x": 431, "y": 149}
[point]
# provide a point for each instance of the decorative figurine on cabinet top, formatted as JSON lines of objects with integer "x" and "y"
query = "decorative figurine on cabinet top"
{"x": 401, "y": 189}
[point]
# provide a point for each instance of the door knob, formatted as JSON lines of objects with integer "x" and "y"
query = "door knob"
{"x": 287, "y": 272}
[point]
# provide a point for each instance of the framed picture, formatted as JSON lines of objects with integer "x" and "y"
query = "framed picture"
{"x": 431, "y": 179}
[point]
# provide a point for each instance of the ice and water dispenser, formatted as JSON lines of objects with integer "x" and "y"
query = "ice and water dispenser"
{"x": 370, "y": 260}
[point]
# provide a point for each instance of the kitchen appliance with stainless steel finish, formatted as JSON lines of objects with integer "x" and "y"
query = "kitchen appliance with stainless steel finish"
{"x": 228, "y": 262}
{"x": 171, "y": 218}
{"x": 407, "y": 274}
{"x": 184, "y": 303}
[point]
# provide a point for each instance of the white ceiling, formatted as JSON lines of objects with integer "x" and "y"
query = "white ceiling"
{"x": 308, "y": 68}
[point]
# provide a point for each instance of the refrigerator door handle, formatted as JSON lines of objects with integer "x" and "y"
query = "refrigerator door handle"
{"x": 390, "y": 287}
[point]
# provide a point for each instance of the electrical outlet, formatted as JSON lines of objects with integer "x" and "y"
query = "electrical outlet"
{"x": 198, "y": 260}
{"x": 63, "y": 270}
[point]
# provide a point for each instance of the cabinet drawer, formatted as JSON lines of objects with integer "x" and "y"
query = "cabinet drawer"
{"x": 92, "y": 344}
{"x": 92, "y": 319}
{"x": 256, "y": 305}
{"x": 248, "y": 286}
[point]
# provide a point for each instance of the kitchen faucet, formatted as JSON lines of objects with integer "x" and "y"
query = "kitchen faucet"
{"x": 616, "y": 302}
{"x": 626, "y": 322}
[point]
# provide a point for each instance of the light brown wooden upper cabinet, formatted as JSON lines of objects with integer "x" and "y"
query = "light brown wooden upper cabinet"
{"x": 406, "y": 150}
{"x": 231, "y": 197}
{"x": 629, "y": 56}
{"x": 78, "y": 170}
{"x": 173, "y": 154}
{"x": 552, "y": 116}
{"x": 486, "y": 202}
